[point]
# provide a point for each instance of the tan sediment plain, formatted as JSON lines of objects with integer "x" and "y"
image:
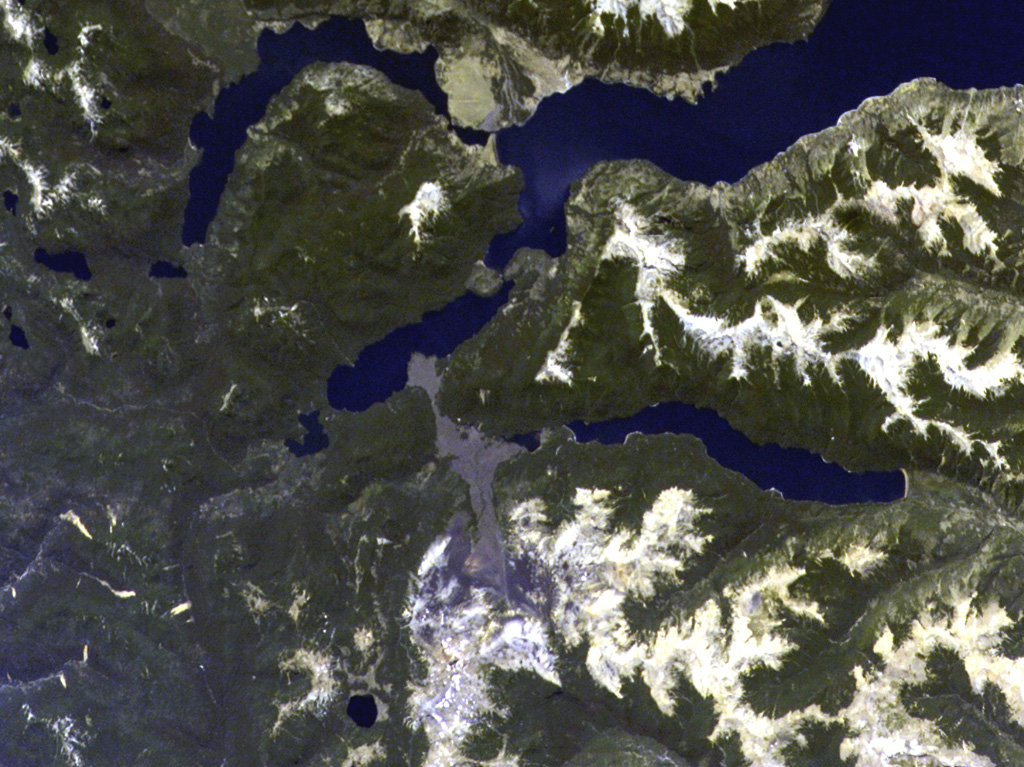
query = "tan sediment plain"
{"x": 499, "y": 60}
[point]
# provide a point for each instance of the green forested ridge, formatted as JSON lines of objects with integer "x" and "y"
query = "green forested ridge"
{"x": 866, "y": 280}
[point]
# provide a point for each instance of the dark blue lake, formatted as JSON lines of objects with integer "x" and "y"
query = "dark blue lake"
{"x": 862, "y": 48}
{"x": 797, "y": 474}
{"x": 71, "y": 262}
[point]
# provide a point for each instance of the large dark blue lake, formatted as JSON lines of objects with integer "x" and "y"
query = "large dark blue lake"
{"x": 862, "y": 48}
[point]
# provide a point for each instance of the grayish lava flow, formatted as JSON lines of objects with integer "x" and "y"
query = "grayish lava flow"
{"x": 475, "y": 458}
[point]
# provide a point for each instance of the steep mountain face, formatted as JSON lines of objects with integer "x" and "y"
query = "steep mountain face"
{"x": 499, "y": 59}
{"x": 864, "y": 282}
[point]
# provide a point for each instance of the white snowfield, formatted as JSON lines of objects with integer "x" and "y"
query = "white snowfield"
{"x": 429, "y": 203}
{"x": 595, "y": 566}
{"x": 599, "y": 568}
{"x": 462, "y": 633}
{"x": 671, "y": 14}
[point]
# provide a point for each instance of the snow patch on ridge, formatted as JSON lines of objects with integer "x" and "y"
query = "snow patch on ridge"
{"x": 554, "y": 368}
{"x": 656, "y": 261}
{"x": 45, "y": 196}
{"x": 889, "y": 365}
{"x": 38, "y": 73}
{"x": 860, "y": 559}
{"x": 320, "y": 669}
{"x": 774, "y": 326}
{"x": 671, "y": 14}
{"x": 715, "y": 657}
{"x": 930, "y": 206}
{"x": 68, "y": 734}
{"x": 632, "y": 241}
{"x": 429, "y": 203}
{"x": 364, "y": 755}
{"x": 841, "y": 259}
{"x": 19, "y": 23}
{"x": 957, "y": 154}
{"x": 335, "y": 80}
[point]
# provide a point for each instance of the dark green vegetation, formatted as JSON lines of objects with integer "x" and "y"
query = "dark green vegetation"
{"x": 86, "y": 127}
{"x": 310, "y": 258}
{"x": 981, "y": 719}
{"x": 498, "y": 59}
{"x": 148, "y": 498}
{"x": 211, "y": 618}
